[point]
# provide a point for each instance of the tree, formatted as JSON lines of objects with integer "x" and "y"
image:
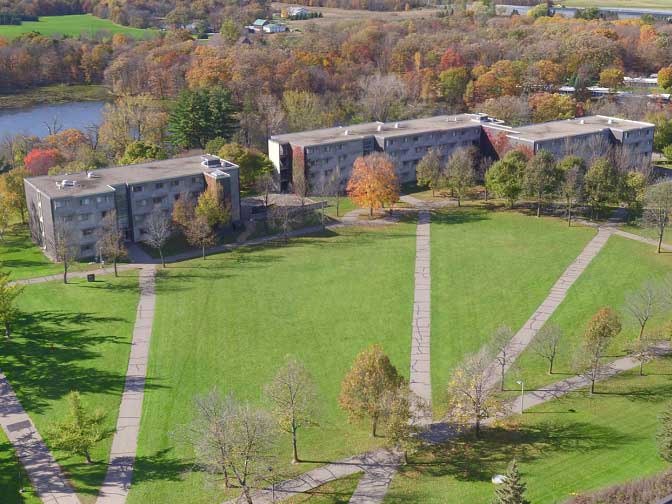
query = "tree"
{"x": 8, "y": 294}
{"x": 470, "y": 400}
{"x": 142, "y": 151}
{"x": 514, "y": 110}
{"x": 551, "y": 107}
{"x": 199, "y": 233}
{"x": 601, "y": 330}
{"x": 402, "y": 428}
{"x": 546, "y": 344}
{"x": 452, "y": 84}
{"x": 293, "y": 395}
{"x": 601, "y": 185}
{"x": 460, "y": 173}
{"x": 382, "y": 96}
{"x": 505, "y": 177}
{"x": 429, "y": 171}
{"x": 40, "y": 161}
{"x": 284, "y": 217}
{"x": 512, "y": 489}
{"x": 364, "y": 389}
{"x": 303, "y": 110}
{"x": 183, "y": 212}
{"x": 158, "y": 229}
{"x": 665, "y": 434}
{"x": 542, "y": 177}
{"x": 642, "y": 351}
{"x": 252, "y": 163}
{"x": 201, "y": 115}
{"x": 643, "y": 304}
{"x": 665, "y": 77}
{"x": 264, "y": 185}
{"x": 633, "y": 187}
{"x": 111, "y": 240}
{"x": 80, "y": 430}
{"x": 11, "y": 187}
{"x": 212, "y": 207}
{"x": 612, "y": 78}
{"x": 5, "y": 216}
{"x": 657, "y": 209}
{"x": 373, "y": 183}
{"x": 500, "y": 343}
{"x": 572, "y": 186}
{"x": 66, "y": 245}
{"x": 231, "y": 439}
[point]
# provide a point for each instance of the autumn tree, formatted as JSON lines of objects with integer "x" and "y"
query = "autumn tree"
{"x": 111, "y": 240}
{"x": 612, "y": 78}
{"x": 66, "y": 245}
{"x": 665, "y": 77}
{"x": 373, "y": 182}
{"x": 199, "y": 233}
{"x": 572, "y": 186}
{"x": 470, "y": 399}
{"x": 252, "y": 163}
{"x": 382, "y": 96}
{"x": 40, "y": 161}
{"x": 212, "y": 206}
{"x": 158, "y": 229}
{"x": 80, "y": 430}
{"x": 460, "y": 173}
{"x": 542, "y": 177}
{"x": 505, "y": 177}
{"x": 551, "y": 107}
{"x": 452, "y": 85}
{"x": 512, "y": 489}
{"x": 8, "y": 294}
{"x": 183, "y": 211}
{"x": 658, "y": 208}
{"x": 200, "y": 115}
{"x": 642, "y": 351}
{"x": 601, "y": 185}
{"x": 547, "y": 343}
{"x": 293, "y": 395}
{"x": 429, "y": 171}
{"x": 643, "y": 304}
{"x": 364, "y": 389}
{"x": 601, "y": 330}
{"x": 142, "y": 151}
{"x": 5, "y": 216}
{"x": 303, "y": 110}
{"x": 402, "y": 425}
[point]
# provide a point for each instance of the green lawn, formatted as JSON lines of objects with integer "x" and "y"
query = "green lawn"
{"x": 22, "y": 258}
{"x": 623, "y": 265}
{"x": 574, "y": 444}
{"x": 229, "y": 321}
{"x": 649, "y": 233}
{"x": 634, "y": 4}
{"x": 336, "y": 492}
{"x": 73, "y": 336}
{"x": 73, "y": 25}
{"x": 490, "y": 269}
{"x": 13, "y": 478}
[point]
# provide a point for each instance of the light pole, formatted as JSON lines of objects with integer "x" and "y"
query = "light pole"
{"x": 270, "y": 470}
{"x": 522, "y": 394}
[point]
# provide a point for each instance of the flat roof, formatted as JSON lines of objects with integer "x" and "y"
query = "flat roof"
{"x": 103, "y": 178}
{"x": 572, "y": 127}
{"x": 379, "y": 129}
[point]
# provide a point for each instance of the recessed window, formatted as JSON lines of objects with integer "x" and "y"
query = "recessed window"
{"x": 84, "y": 201}
{"x": 174, "y": 183}
{"x": 137, "y": 188}
{"x": 87, "y": 232}
{"x": 159, "y": 185}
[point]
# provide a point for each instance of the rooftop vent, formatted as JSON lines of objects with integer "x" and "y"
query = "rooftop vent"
{"x": 582, "y": 121}
{"x": 397, "y": 125}
{"x": 91, "y": 174}
{"x": 610, "y": 121}
{"x": 210, "y": 161}
{"x": 63, "y": 184}
{"x": 380, "y": 127}
{"x": 347, "y": 132}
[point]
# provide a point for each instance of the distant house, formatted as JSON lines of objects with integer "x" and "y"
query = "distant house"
{"x": 297, "y": 11}
{"x": 275, "y": 28}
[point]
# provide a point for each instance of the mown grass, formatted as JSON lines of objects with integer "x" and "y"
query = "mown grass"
{"x": 72, "y": 25}
{"x": 72, "y": 337}
{"x": 228, "y": 322}
{"x": 490, "y": 269}
{"x": 15, "y": 487}
{"x": 622, "y": 266}
{"x": 336, "y": 492}
{"x": 575, "y": 444}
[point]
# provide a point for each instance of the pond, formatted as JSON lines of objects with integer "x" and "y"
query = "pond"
{"x": 36, "y": 120}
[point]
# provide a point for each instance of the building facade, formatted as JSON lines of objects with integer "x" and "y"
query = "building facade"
{"x": 81, "y": 201}
{"x": 318, "y": 153}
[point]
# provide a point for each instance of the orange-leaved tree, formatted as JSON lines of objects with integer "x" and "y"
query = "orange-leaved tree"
{"x": 373, "y": 183}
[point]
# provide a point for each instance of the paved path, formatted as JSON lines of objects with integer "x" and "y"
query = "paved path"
{"x": 45, "y": 474}
{"x": 420, "y": 375}
{"x": 648, "y": 241}
{"x": 426, "y": 204}
{"x": 378, "y": 474}
{"x": 558, "y": 293}
{"x": 106, "y": 270}
{"x": 124, "y": 445}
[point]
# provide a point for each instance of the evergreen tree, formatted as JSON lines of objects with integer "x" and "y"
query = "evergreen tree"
{"x": 665, "y": 434}
{"x": 201, "y": 115}
{"x": 512, "y": 490}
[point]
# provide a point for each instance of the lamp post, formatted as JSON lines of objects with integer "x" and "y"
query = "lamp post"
{"x": 522, "y": 394}
{"x": 270, "y": 470}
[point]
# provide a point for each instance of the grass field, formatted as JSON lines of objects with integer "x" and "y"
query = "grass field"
{"x": 228, "y": 322}
{"x": 633, "y": 4}
{"x": 565, "y": 446}
{"x": 50, "y": 95}
{"x": 13, "y": 478}
{"x": 336, "y": 492}
{"x": 69, "y": 337}
{"x": 490, "y": 269}
{"x": 73, "y": 25}
{"x": 623, "y": 265}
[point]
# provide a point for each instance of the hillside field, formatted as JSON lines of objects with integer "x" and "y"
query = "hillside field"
{"x": 73, "y": 25}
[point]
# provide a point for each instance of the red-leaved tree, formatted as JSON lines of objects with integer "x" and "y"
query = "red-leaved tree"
{"x": 40, "y": 161}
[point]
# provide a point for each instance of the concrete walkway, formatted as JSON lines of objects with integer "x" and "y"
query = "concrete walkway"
{"x": 45, "y": 474}
{"x": 426, "y": 204}
{"x": 125, "y": 443}
{"x": 641, "y": 239}
{"x": 420, "y": 375}
{"x": 106, "y": 270}
{"x": 526, "y": 334}
{"x": 378, "y": 474}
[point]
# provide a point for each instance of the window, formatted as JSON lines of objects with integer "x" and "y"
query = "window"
{"x": 176, "y": 197}
{"x": 88, "y": 232}
{"x": 86, "y": 248}
{"x": 157, "y": 200}
{"x": 99, "y": 199}
{"x": 159, "y": 185}
{"x": 142, "y": 202}
{"x": 194, "y": 180}
{"x": 174, "y": 183}
{"x": 67, "y": 218}
{"x": 103, "y": 214}
{"x": 137, "y": 188}
{"x": 83, "y": 217}
{"x": 59, "y": 204}
{"x": 84, "y": 201}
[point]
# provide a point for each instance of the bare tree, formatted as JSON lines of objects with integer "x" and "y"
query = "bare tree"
{"x": 546, "y": 344}
{"x": 380, "y": 95}
{"x": 643, "y": 304}
{"x": 54, "y": 125}
{"x": 231, "y": 439}
{"x": 470, "y": 399}
{"x": 265, "y": 185}
{"x": 66, "y": 245}
{"x": 657, "y": 209}
{"x": 293, "y": 394}
{"x": 158, "y": 228}
{"x": 111, "y": 240}
{"x": 601, "y": 330}
{"x": 642, "y": 351}
{"x": 284, "y": 217}
{"x": 501, "y": 342}
{"x": 200, "y": 233}
{"x": 301, "y": 188}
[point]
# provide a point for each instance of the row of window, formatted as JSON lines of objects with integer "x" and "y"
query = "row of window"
{"x": 89, "y": 200}
{"x": 163, "y": 185}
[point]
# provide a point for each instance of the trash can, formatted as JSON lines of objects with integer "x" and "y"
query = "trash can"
{"x": 91, "y": 277}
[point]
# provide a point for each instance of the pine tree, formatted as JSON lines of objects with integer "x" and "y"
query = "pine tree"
{"x": 512, "y": 490}
{"x": 665, "y": 434}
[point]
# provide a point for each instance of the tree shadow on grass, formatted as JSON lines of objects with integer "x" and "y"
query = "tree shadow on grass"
{"x": 161, "y": 467}
{"x": 462, "y": 215}
{"x": 47, "y": 356}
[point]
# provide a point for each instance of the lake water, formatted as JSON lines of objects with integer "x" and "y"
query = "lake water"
{"x": 34, "y": 120}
